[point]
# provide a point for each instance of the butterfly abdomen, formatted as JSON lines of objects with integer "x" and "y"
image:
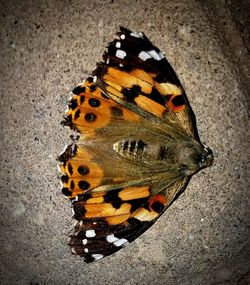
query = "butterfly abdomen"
{"x": 140, "y": 150}
{"x": 130, "y": 148}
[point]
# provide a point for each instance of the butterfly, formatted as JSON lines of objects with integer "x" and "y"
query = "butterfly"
{"x": 136, "y": 150}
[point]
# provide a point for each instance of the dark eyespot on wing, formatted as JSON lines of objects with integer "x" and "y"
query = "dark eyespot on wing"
{"x": 93, "y": 102}
{"x": 83, "y": 170}
{"x": 178, "y": 100}
{"x": 157, "y": 206}
{"x": 84, "y": 185}
{"x": 90, "y": 117}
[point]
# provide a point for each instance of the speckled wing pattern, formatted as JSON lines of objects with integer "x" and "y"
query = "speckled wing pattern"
{"x": 125, "y": 168}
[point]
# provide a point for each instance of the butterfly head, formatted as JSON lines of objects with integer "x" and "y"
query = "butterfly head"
{"x": 194, "y": 157}
{"x": 206, "y": 158}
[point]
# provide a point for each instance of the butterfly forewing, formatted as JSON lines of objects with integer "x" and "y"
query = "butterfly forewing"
{"x": 107, "y": 232}
{"x": 137, "y": 72}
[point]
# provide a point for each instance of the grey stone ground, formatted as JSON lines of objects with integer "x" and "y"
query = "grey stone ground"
{"x": 47, "y": 47}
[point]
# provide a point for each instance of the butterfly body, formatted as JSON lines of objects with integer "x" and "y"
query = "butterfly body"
{"x": 137, "y": 150}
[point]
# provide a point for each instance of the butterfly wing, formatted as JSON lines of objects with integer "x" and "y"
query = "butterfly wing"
{"x": 135, "y": 73}
{"x": 101, "y": 229}
{"x": 134, "y": 97}
{"x": 89, "y": 162}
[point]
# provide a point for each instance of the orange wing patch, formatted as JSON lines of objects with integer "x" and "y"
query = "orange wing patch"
{"x": 126, "y": 80}
{"x": 80, "y": 173}
{"x": 136, "y": 192}
{"x": 140, "y": 87}
{"x": 123, "y": 202}
{"x": 90, "y": 109}
{"x": 176, "y": 101}
{"x": 114, "y": 205}
{"x": 150, "y": 105}
{"x": 156, "y": 206}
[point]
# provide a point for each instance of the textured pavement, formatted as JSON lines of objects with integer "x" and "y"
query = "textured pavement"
{"x": 47, "y": 48}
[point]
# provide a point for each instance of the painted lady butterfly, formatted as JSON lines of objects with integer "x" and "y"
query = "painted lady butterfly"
{"x": 137, "y": 148}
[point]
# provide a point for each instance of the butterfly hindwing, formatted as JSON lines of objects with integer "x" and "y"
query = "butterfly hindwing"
{"x": 90, "y": 109}
{"x": 95, "y": 116}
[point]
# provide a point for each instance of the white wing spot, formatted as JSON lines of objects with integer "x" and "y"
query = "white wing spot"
{"x": 90, "y": 233}
{"x": 76, "y": 199}
{"x": 136, "y": 34}
{"x": 76, "y": 233}
{"x": 120, "y": 53}
{"x": 94, "y": 79}
{"x": 156, "y": 55}
{"x": 73, "y": 250}
{"x": 120, "y": 242}
{"x": 86, "y": 250}
{"x": 118, "y": 44}
{"x": 61, "y": 183}
{"x": 97, "y": 256}
{"x": 65, "y": 147}
{"x": 111, "y": 238}
{"x": 59, "y": 168}
{"x": 122, "y": 36}
{"x": 84, "y": 241}
{"x": 121, "y": 65}
{"x": 161, "y": 55}
{"x": 144, "y": 55}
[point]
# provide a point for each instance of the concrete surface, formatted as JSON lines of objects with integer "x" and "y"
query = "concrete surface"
{"x": 47, "y": 47}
